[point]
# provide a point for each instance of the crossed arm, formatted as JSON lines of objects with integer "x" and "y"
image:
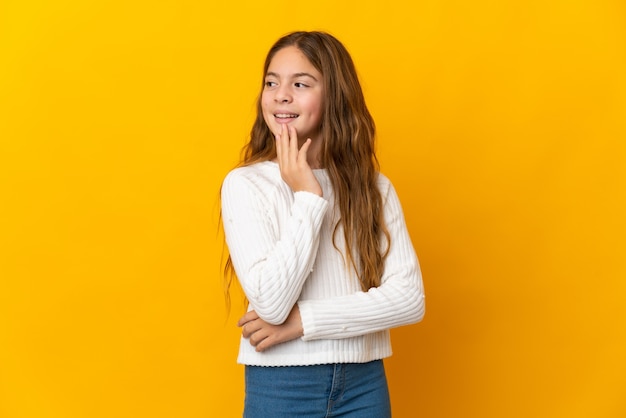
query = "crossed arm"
{"x": 398, "y": 301}
{"x": 262, "y": 335}
{"x": 297, "y": 173}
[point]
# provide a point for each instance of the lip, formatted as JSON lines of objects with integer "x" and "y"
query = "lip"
{"x": 285, "y": 116}
{"x": 284, "y": 112}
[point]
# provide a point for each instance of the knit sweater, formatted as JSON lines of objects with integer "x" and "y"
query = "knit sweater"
{"x": 281, "y": 246}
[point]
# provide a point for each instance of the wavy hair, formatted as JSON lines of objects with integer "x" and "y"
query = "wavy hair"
{"x": 347, "y": 153}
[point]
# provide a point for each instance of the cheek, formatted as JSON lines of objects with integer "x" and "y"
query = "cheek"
{"x": 268, "y": 117}
{"x": 264, "y": 110}
{"x": 317, "y": 109}
{"x": 316, "y": 105}
{"x": 264, "y": 103}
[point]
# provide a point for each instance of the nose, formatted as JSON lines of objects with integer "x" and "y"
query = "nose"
{"x": 283, "y": 95}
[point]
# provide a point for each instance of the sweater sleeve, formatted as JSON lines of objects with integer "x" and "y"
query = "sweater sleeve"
{"x": 272, "y": 247}
{"x": 399, "y": 300}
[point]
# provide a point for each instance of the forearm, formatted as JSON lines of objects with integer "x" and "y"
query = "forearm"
{"x": 399, "y": 300}
{"x": 271, "y": 256}
{"x": 396, "y": 303}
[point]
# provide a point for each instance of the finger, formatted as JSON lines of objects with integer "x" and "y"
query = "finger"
{"x": 247, "y": 330}
{"x": 264, "y": 344}
{"x": 248, "y": 316}
{"x": 293, "y": 144}
{"x": 253, "y": 327}
{"x": 284, "y": 146}
{"x": 244, "y": 320}
{"x": 303, "y": 150}
{"x": 279, "y": 145}
{"x": 257, "y": 338}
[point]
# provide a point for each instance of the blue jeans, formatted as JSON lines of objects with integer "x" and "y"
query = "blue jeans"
{"x": 320, "y": 391}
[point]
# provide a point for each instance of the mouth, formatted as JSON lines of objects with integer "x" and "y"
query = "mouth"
{"x": 286, "y": 117}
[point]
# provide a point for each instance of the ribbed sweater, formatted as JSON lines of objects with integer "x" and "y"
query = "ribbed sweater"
{"x": 281, "y": 246}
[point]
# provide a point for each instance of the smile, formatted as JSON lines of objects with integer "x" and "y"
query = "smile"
{"x": 286, "y": 115}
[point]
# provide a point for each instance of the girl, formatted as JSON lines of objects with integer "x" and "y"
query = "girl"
{"x": 318, "y": 241}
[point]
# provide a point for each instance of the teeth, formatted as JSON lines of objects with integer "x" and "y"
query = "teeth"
{"x": 285, "y": 115}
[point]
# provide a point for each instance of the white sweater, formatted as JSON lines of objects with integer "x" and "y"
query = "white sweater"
{"x": 281, "y": 246}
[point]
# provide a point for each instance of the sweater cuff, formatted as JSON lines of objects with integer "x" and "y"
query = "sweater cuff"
{"x": 306, "y": 316}
{"x": 312, "y": 330}
{"x": 310, "y": 205}
{"x": 310, "y": 198}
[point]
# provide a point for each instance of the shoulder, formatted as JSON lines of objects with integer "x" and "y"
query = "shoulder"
{"x": 391, "y": 200}
{"x": 384, "y": 185}
{"x": 255, "y": 176}
{"x": 262, "y": 168}
{"x": 383, "y": 180}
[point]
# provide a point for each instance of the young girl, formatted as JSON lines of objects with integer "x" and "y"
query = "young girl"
{"x": 318, "y": 241}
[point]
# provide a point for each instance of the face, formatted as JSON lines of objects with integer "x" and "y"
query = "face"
{"x": 293, "y": 94}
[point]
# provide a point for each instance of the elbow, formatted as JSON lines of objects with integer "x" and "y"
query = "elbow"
{"x": 418, "y": 308}
{"x": 409, "y": 306}
{"x": 419, "y": 298}
{"x": 414, "y": 300}
{"x": 273, "y": 319}
{"x": 269, "y": 310}
{"x": 421, "y": 311}
{"x": 271, "y": 314}
{"x": 268, "y": 297}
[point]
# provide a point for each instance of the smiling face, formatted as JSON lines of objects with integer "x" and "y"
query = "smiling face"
{"x": 293, "y": 94}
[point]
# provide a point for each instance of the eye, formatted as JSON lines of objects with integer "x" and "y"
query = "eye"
{"x": 270, "y": 83}
{"x": 300, "y": 85}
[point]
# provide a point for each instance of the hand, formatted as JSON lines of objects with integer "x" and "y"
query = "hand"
{"x": 294, "y": 167}
{"x": 263, "y": 335}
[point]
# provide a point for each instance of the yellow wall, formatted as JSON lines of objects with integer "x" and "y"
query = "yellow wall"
{"x": 502, "y": 124}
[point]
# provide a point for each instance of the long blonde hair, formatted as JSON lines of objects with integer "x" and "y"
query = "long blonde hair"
{"x": 347, "y": 153}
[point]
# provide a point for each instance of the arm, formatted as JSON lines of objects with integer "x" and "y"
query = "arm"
{"x": 262, "y": 335}
{"x": 272, "y": 261}
{"x": 271, "y": 256}
{"x": 399, "y": 300}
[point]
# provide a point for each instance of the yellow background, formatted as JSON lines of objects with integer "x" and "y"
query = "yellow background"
{"x": 501, "y": 123}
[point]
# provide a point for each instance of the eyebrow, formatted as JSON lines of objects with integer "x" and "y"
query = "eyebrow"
{"x": 296, "y": 75}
